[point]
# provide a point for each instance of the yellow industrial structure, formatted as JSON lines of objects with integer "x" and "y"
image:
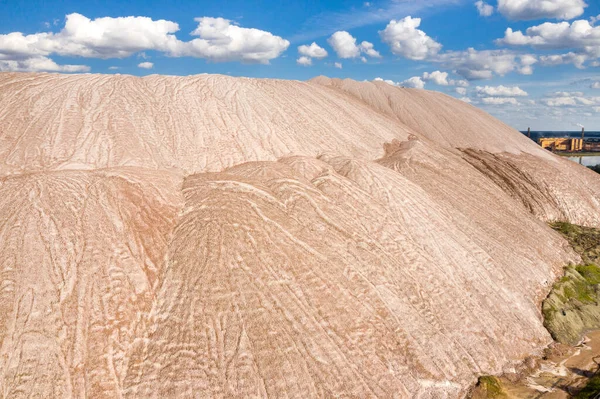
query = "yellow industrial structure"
{"x": 561, "y": 144}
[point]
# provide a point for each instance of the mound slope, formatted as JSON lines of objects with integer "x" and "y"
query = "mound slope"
{"x": 213, "y": 237}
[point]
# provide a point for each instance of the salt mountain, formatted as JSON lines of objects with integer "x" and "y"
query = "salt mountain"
{"x": 209, "y": 236}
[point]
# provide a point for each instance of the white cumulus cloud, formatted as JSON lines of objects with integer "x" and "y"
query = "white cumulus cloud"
{"x": 459, "y": 83}
{"x": 406, "y": 40}
{"x": 578, "y": 34}
{"x": 99, "y": 38}
{"x": 499, "y": 101}
{"x": 367, "y": 48}
{"x": 344, "y": 44}
{"x": 560, "y": 101}
{"x": 475, "y": 65}
{"x": 338, "y": 65}
{"x": 527, "y": 62}
{"x": 312, "y": 51}
{"x": 218, "y": 40}
{"x": 484, "y": 9}
{"x": 501, "y": 91}
{"x": 437, "y": 77}
{"x": 565, "y": 94}
{"x": 146, "y": 65}
{"x": 415, "y": 82}
{"x": 538, "y": 9}
{"x": 304, "y": 61}
{"x": 570, "y": 99}
{"x": 595, "y": 85}
{"x": 307, "y": 53}
{"x": 569, "y": 58}
{"x": 39, "y": 64}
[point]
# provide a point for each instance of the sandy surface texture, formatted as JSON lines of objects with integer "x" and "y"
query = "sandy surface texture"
{"x": 208, "y": 236}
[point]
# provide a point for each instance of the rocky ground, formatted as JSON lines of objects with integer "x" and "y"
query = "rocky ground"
{"x": 568, "y": 367}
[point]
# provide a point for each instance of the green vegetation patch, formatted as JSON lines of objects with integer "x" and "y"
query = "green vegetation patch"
{"x": 573, "y": 305}
{"x": 490, "y": 387}
{"x": 575, "y": 291}
{"x": 595, "y": 168}
{"x": 591, "y": 273}
{"x": 591, "y": 390}
{"x": 584, "y": 240}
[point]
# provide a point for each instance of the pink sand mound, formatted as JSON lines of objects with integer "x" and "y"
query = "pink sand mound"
{"x": 209, "y": 236}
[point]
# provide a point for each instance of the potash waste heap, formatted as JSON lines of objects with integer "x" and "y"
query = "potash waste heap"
{"x": 211, "y": 236}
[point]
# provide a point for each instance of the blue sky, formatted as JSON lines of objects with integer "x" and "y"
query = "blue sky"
{"x": 543, "y": 73}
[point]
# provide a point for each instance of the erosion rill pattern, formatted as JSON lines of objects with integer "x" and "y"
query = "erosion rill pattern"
{"x": 157, "y": 240}
{"x": 196, "y": 124}
{"x": 81, "y": 256}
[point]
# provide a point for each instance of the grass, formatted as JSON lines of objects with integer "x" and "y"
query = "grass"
{"x": 581, "y": 291}
{"x": 579, "y": 283}
{"x": 564, "y": 228}
{"x": 591, "y": 273}
{"x": 491, "y": 386}
{"x": 591, "y": 390}
{"x": 584, "y": 240}
{"x": 572, "y": 305}
{"x": 577, "y": 287}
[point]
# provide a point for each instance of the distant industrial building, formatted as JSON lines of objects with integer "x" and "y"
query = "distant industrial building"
{"x": 569, "y": 144}
{"x": 591, "y": 145}
{"x": 562, "y": 144}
